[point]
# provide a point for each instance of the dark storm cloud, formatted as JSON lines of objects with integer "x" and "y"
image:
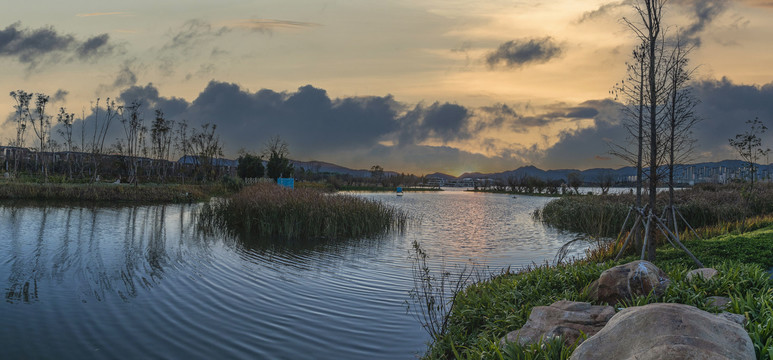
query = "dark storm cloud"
{"x": 95, "y": 47}
{"x": 724, "y": 108}
{"x": 517, "y": 53}
{"x": 582, "y": 113}
{"x": 307, "y": 119}
{"x": 445, "y": 122}
{"x": 494, "y": 116}
{"x": 35, "y": 46}
{"x": 703, "y": 13}
{"x": 150, "y": 100}
{"x": 500, "y": 114}
{"x": 583, "y": 147}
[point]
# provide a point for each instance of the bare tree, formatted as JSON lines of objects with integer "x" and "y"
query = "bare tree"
{"x": 574, "y": 180}
{"x": 749, "y": 146}
{"x": 605, "y": 181}
{"x": 161, "y": 141}
{"x": 21, "y": 117}
{"x": 681, "y": 114}
{"x": 101, "y": 126}
{"x": 134, "y": 130}
{"x": 207, "y": 147}
{"x": 65, "y": 131}
{"x": 632, "y": 94}
{"x": 649, "y": 31}
{"x": 41, "y": 125}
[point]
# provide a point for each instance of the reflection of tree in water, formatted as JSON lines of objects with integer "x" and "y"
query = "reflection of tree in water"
{"x": 95, "y": 251}
{"x": 24, "y": 275}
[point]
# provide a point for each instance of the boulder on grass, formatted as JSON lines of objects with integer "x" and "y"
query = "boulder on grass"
{"x": 667, "y": 331}
{"x": 564, "y": 318}
{"x": 622, "y": 282}
{"x": 706, "y": 273}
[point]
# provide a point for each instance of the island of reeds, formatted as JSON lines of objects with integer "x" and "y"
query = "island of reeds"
{"x": 266, "y": 210}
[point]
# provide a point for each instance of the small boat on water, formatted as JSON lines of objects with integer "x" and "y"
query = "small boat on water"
{"x": 399, "y": 191}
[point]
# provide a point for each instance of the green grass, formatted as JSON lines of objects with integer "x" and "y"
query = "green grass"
{"x": 269, "y": 211}
{"x": 488, "y": 310}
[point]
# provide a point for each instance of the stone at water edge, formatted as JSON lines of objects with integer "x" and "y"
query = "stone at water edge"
{"x": 622, "y": 282}
{"x": 667, "y": 331}
{"x": 562, "y": 318}
{"x": 706, "y": 273}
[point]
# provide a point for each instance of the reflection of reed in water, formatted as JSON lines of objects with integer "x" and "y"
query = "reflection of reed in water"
{"x": 95, "y": 251}
{"x": 24, "y": 275}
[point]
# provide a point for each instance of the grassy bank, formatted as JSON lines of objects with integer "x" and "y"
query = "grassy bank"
{"x": 270, "y": 211}
{"x": 486, "y": 311}
{"x": 704, "y": 205}
{"x": 109, "y": 192}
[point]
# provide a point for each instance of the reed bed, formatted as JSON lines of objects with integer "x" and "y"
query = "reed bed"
{"x": 270, "y": 211}
{"x": 702, "y": 206}
{"x": 105, "y": 192}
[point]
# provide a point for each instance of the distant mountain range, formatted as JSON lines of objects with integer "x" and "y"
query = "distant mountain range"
{"x": 723, "y": 169}
{"x": 325, "y": 167}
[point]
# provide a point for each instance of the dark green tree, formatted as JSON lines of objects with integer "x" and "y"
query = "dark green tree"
{"x": 278, "y": 164}
{"x": 250, "y": 166}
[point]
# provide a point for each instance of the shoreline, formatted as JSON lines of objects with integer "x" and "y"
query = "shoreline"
{"x": 108, "y": 192}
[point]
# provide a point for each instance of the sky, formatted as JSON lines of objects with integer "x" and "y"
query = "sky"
{"x": 414, "y": 86}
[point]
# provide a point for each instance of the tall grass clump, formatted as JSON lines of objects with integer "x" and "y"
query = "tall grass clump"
{"x": 702, "y": 205}
{"x": 596, "y": 216}
{"x": 270, "y": 211}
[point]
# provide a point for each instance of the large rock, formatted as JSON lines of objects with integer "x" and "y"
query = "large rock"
{"x": 562, "y": 318}
{"x": 706, "y": 273}
{"x": 667, "y": 331}
{"x": 622, "y": 282}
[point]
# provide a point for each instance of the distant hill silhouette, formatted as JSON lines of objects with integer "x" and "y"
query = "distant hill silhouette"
{"x": 703, "y": 169}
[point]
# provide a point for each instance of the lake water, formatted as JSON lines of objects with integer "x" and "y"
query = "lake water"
{"x": 140, "y": 282}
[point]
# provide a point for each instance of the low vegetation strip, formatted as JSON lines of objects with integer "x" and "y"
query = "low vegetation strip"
{"x": 702, "y": 205}
{"x": 485, "y": 311}
{"x": 270, "y": 211}
{"x": 107, "y": 192}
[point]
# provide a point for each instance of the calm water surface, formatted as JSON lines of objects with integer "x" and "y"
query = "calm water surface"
{"x": 140, "y": 282}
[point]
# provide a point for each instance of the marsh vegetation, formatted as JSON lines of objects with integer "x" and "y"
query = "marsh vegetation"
{"x": 269, "y": 211}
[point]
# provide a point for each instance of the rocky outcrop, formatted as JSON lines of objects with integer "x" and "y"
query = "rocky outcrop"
{"x": 706, "y": 273}
{"x": 563, "y": 318}
{"x": 625, "y": 281}
{"x": 667, "y": 331}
